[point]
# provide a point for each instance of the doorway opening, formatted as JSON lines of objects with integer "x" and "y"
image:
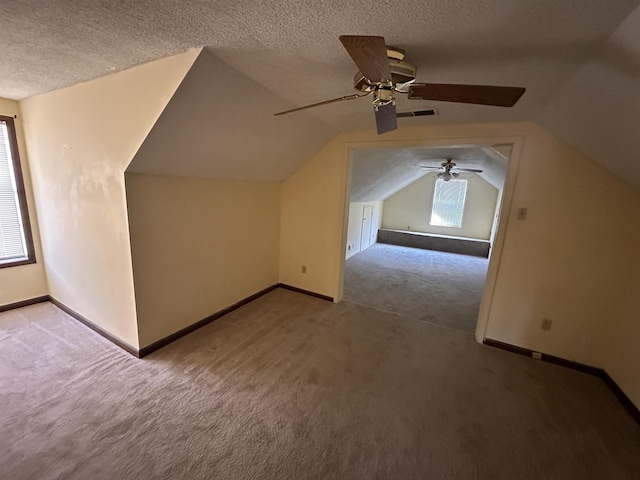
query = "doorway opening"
{"x": 418, "y": 242}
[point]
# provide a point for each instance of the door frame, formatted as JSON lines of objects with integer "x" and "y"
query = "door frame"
{"x": 515, "y": 144}
{"x": 364, "y": 209}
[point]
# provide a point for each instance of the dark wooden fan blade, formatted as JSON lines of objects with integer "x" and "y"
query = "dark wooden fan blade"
{"x": 428, "y": 166}
{"x": 475, "y": 170}
{"x": 326, "y": 102}
{"x": 370, "y": 56}
{"x": 478, "y": 94}
{"x": 386, "y": 118}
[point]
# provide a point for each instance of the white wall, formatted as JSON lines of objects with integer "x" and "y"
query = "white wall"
{"x": 410, "y": 208}
{"x": 25, "y": 281}
{"x": 354, "y": 229}
{"x": 198, "y": 246}
{"x": 565, "y": 262}
{"x": 80, "y": 140}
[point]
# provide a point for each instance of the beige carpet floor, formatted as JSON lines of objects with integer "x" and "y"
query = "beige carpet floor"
{"x": 436, "y": 287}
{"x": 293, "y": 387}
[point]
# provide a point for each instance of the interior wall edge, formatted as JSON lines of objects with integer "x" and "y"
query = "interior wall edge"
{"x": 152, "y": 347}
{"x": 95, "y": 327}
{"x": 79, "y": 141}
{"x": 306, "y": 292}
{"x": 501, "y": 229}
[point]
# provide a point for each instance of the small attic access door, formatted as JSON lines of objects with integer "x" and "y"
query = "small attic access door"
{"x": 367, "y": 235}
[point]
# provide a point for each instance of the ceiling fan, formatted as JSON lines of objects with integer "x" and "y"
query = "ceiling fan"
{"x": 450, "y": 169}
{"x": 384, "y": 72}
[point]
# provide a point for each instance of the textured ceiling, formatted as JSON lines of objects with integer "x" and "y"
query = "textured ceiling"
{"x": 289, "y": 50}
{"x": 377, "y": 174}
{"x": 294, "y": 43}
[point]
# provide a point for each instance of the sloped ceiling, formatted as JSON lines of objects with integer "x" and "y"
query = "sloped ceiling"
{"x": 378, "y": 174}
{"x": 219, "y": 124}
{"x": 289, "y": 50}
{"x": 598, "y": 111}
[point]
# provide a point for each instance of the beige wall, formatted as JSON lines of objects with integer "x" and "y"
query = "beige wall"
{"x": 565, "y": 262}
{"x": 354, "y": 229}
{"x": 26, "y": 281}
{"x": 574, "y": 260}
{"x": 80, "y": 140}
{"x": 313, "y": 216}
{"x": 410, "y": 208}
{"x": 198, "y": 246}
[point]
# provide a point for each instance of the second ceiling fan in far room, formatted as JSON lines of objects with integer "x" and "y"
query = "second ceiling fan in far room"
{"x": 383, "y": 72}
{"x": 450, "y": 169}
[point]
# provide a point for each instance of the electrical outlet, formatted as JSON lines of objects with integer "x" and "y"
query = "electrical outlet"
{"x": 586, "y": 339}
{"x": 348, "y": 247}
{"x": 304, "y": 269}
{"x": 536, "y": 355}
{"x": 546, "y": 324}
{"x": 522, "y": 214}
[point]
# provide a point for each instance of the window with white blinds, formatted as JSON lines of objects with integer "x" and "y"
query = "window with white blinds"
{"x": 448, "y": 203}
{"x": 14, "y": 240}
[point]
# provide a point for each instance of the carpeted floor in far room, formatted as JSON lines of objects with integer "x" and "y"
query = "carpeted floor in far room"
{"x": 294, "y": 387}
{"x": 436, "y": 287}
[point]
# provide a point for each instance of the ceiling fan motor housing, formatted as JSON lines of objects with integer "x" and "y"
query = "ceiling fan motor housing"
{"x": 384, "y": 72}
{"x": 401, "y": 72}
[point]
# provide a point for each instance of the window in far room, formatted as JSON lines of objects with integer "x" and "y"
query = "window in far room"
{"x": 16, "y": 244}
{"x": 448, "y": 203}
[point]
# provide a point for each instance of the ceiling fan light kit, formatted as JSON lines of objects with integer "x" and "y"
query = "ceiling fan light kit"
{"x": 446, "y": 176}
{"x": 450, "y": 170}
{"x": 383, "y": 72}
